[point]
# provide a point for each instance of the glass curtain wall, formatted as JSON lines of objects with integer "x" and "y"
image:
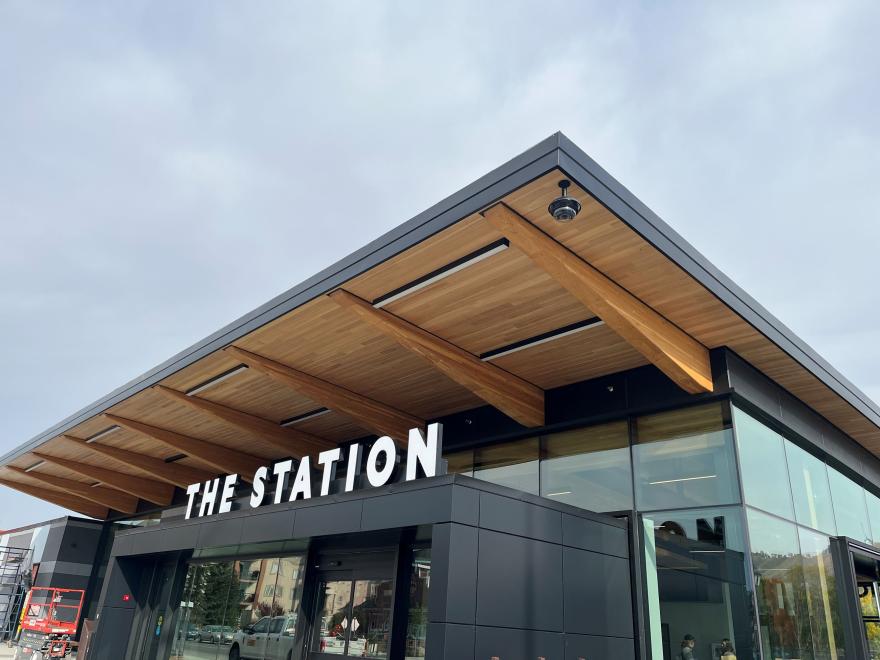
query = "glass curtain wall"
{"x": 795, "y": 503}
{"x": 719, "y": 595}
{"x": 239, "y": 609}
{"x": 679, "y": 468}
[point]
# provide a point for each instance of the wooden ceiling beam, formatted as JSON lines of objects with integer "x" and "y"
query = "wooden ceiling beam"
{"x": 109, "y": 497}
{"x": 512, "y": 395}
{"x": 171, "y": 473}
{"x": 72, "y": 502}
{"x": 156, "y": 492}
{"x": 372, "y": 415}
{"x": 678, "y": 355}
{"x": 290, "y": 441}
{"x": 222, "y": 458}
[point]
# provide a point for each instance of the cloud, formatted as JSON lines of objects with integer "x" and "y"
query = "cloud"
{"x": 164, "y": 166}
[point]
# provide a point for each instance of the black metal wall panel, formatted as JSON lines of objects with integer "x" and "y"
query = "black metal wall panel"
{"x": 519, "y": 582}
{"x": 598, "y": 594}
{"x": 453, "y": 594}
{"x": 514, "y": 644}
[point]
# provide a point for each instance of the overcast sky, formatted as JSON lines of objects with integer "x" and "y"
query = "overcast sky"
{"x": 164, "y": 166}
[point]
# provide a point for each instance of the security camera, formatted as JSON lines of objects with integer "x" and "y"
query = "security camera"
{"x": 564, "y": 208}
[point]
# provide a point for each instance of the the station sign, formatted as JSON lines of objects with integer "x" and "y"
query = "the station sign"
{"x": 292, "y": 480}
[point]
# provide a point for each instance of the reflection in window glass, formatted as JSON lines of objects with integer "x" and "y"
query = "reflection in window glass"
{"x": 208, "y": 612}
{"x": 702, "y": 585}
{"x": 821, "y": 594}
{"x": 334, "y": 613}
{"x": 779, "y": 586}
{"x": 809, "y": 485}
{"x": 684, "y": 458}
{"x": 762, "y": 461}
{"x": 589, "y": 468}
{"x": 850, "y": 510}
{"x": 874, "y": 516}
{"x": 513, "y": 464}
{"x": 417, "y": 612}
{"x": 460, "y": 462}
{"x": 370, "y": 629}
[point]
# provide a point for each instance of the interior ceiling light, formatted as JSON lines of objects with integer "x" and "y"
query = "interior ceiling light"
{"x": 301, "y": 418}
{"x": 101, "y": 434}
{"x": 219, "y": 378}
{"x": 564, "y": 208}
{"x": 445, "y": 271}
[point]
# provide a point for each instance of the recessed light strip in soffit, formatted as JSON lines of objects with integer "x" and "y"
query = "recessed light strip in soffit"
{"x": 301, "y": 418}
{"x": 543, "y": 338}
{"x": 445, "y": 271}
{"x": 101, "y": 434}
{"x": 214, "y": 380}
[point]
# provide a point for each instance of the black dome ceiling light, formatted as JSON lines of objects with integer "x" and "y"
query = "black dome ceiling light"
{"x": 564, "y": 208}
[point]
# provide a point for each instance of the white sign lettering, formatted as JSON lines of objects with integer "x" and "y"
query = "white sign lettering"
{"x": 423, "y": 458}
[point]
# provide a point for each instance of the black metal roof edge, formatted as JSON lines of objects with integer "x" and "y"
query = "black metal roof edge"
{"x": 620, "y": 201}
{"x": 531, "y": 164}
{"x": 555, "y": 151}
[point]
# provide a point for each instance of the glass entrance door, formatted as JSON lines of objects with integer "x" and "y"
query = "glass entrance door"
{"x": 353, "y": 613}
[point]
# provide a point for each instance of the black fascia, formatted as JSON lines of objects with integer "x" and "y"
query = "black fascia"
{"x": 557, "y": 151}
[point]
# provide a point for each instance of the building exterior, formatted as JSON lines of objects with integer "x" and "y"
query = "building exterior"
{"x": 64, "y": 553}
{"x": 499, "y": 432}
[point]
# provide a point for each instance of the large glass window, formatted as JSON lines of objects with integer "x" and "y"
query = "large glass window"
{"x": 809, "y": 485}
{"x": 512, "y": 464}
{"x": 821, "y": 595}
{"x": 779, "y": 585}
{"x": 589, "y": 467}
{"x": 417, "y": 610}
{"x": 850, "y": 509}
{"x": 704, "y": 597}
{"x": 874, "y": 516}
{"x": 246, "y": 607}
{"x": 685, "y": 458}
{"x": 762, "y": 461}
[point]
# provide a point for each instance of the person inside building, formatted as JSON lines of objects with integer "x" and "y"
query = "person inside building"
{"x": 687, "y": 648}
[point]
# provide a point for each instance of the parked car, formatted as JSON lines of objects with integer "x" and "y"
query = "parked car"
{"x": 270, "y": 638}
{"x": 216, "y": 634}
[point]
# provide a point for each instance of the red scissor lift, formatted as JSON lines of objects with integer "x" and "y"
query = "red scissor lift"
{"x": 49, "y": 622}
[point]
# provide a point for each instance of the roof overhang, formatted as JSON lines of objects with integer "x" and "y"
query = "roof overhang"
{"x": 482, "y": 298}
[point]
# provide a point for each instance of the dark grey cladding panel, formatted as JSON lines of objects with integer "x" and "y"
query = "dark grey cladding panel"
{"x": 272, "y": 526}
{"x": 112, "y": 633}
{"x": 409, "y": 508}
{"x": 79, "y": 543}
{"x": 452, "y": 597}
{"x": 800, "y": 419}
{"x": 594, "y": 647}
{"x": 61, "y": 580}
{"x": 598, "y": 598}
{"x": 450, "y": 641}
{"x": 466, "y": 506}
{"x": 508, "y": 644}
{"x": 752, "y": 385}
{"x": 514, "y": 516}
{"x": 519, "y": 583}
{"x": 54, "y": 540}
{"x": 155, "y": 539}
{"x": 220, "y": 531}
{"x": 335, "y": 518}
{"x": 123, "y": 544}
{"x": 591, "y": 535}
